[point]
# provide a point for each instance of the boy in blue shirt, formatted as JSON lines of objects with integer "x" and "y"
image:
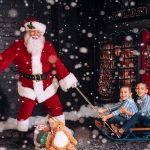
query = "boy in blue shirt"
{"x": 143, "y": 102}
{"x": 121, "y": 111}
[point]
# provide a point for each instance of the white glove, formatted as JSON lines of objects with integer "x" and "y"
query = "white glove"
{"x": 74, "y": 85}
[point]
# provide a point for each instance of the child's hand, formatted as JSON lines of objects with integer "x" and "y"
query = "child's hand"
{"x": 104, "y": 118}
{"x": 123, "y": 110}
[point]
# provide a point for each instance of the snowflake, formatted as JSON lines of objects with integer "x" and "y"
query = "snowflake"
{"x": 73, "y": 4}
{"x": 71, "y": 56}
{"x": 17, "y": 33}
{"x": 3, "y": 148}
{"x": 126, "y": 3}
{"x": 1, "y": 57}
{"x": 129, "y": 38}
{"x": 102, "y": 13}
{"x": 52, "y": 59}
{"x": 141, "y": 71}
{"x": 68, "y": 104}
{"x": 64, "y": 50}
{"x": 78, "y": 66}
{"x": 67, "y": 7}
{"x": 9, "y": 90}
{"x": 81, "y": 120}
{"x": 73, "y": 94}
{"x": 135, "y": 30}
{"x": 83, "y": 50}
{"x": 52, "y": 2}
{"x": 48, "y": 7}
{"x": 132, "y": 3}
{"x": 135, "y": 52}
{"x": 104, "y": 140}
{"x": 13, "y": 13}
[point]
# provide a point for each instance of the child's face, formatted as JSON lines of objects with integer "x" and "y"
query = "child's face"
{"x": 125, "y": 93}
{"x": 141, "y": 89}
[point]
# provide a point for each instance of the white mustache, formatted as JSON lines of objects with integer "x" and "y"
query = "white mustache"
{"x": 35, "y": 37}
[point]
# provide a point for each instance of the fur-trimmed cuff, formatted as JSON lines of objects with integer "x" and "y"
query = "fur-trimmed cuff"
{"x": 69, "y": 81}
{"x": 23, "y": 125}
{"x": 60, "y": 118}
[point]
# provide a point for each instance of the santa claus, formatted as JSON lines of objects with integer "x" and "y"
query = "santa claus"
{"x": 37, "y": 62}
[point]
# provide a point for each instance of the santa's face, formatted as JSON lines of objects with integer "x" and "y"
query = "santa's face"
{"x": 34, "y": 41}
{"x": 35, "y": 34}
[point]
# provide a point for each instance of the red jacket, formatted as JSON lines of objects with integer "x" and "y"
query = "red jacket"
{"x": 38, "y": 64}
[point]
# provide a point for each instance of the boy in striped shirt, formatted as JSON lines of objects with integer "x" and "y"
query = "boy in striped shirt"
{"x": 121, "y": 111}
{"x": 143, "y": 102}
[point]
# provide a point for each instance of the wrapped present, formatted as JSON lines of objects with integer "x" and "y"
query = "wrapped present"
{"x": 40, "y": 136}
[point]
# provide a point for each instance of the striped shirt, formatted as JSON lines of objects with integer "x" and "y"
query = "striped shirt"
{"x": 128, "y": 104}
{"x": 144, "y": 105}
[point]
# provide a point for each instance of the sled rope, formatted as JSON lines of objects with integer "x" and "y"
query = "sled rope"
{"x": 92, "y": 106}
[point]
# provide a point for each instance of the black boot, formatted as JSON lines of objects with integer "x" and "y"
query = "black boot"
{"x": 22, "y": 141}
{"x": 22, "y": 138}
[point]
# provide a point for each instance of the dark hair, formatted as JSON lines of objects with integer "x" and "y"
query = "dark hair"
{"x": 142, "y": 83}
{"x": 125, "y": 86}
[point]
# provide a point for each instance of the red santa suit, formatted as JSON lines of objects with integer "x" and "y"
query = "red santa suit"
{"x": 43, "y": 91}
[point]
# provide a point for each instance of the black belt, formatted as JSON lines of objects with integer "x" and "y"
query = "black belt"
{"x": 36, "y": 77}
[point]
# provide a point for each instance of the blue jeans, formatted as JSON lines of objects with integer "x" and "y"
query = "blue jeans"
{"x": 137, "y": 117}
{"x": 117, "y": 120}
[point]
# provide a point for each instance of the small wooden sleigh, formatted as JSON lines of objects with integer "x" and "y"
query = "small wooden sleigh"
{"x": 134, "y": 134}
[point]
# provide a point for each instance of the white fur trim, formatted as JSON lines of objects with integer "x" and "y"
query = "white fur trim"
{"x": 38, "y": 26}
{"x": 49, "y": 91}
{"x": 36, "y": 64}
{"x": 61, "y": 139}
{"x": 61, "y": 118}
{"x": 69, "y": 81}
{"x": 38, "y": 86}
{"x": 38, "y": 91}
{"x": 23, "y": 125}
{"x": 26, "y": 92}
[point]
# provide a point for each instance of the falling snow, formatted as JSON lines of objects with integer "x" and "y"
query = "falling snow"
{"x": 68, "y": 47}
{"x": 13, "y": 13}
{"x": 83, "y": 50}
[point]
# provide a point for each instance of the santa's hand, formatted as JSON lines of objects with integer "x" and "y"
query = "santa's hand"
{"x": 74, "y": 85}
{"x": 70, "y": 81}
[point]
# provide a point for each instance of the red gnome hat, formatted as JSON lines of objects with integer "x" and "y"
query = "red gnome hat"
{"x": 33, "y": 24}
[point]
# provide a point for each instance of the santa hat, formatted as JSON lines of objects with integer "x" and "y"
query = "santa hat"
{"x": 33, "y": 24}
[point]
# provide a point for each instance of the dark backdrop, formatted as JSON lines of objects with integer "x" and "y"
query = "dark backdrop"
{"x": 71, "y": 26}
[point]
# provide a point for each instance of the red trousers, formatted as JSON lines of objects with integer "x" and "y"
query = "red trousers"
{"x": 52, "y": 105}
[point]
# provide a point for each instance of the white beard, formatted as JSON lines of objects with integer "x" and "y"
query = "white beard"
{"x": 34, "y": 46}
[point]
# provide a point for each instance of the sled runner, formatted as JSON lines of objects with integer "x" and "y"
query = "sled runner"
{"x": 134, "y": 134}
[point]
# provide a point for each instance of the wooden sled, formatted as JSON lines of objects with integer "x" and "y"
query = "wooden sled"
{"x": 134, "y": 134}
